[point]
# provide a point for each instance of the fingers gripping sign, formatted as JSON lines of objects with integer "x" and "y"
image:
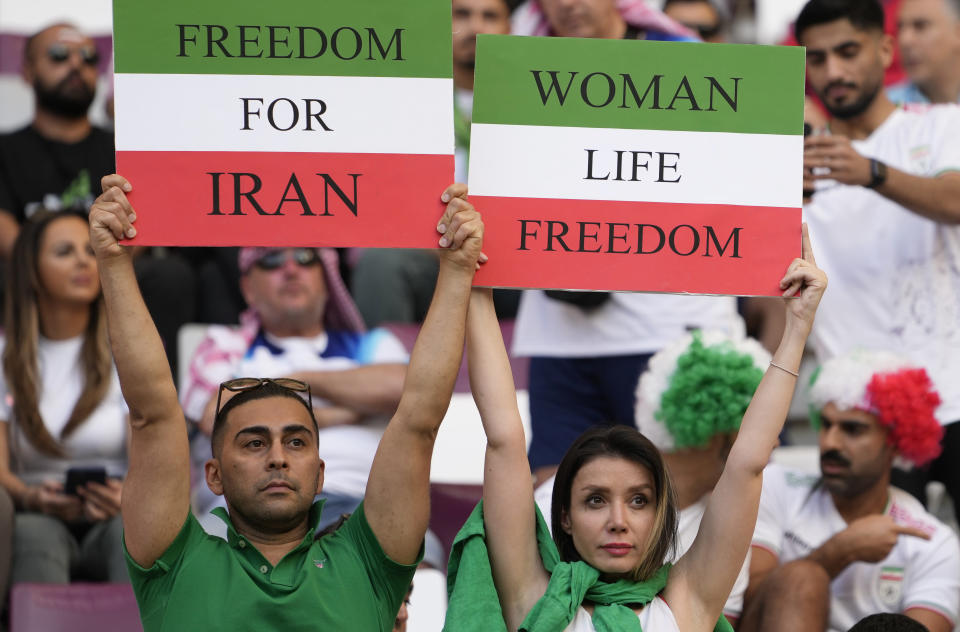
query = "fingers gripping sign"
{"x": 112, "y": 217}
{"x": 461, "y": 229}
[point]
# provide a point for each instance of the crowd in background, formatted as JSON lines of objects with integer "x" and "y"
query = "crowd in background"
{"x": 882, "y": 200}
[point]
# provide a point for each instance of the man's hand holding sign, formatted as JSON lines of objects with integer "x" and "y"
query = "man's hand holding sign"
{"x": 626, "y": 165}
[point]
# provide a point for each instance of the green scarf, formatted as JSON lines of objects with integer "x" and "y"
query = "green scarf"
{"x": 474, "y": 605}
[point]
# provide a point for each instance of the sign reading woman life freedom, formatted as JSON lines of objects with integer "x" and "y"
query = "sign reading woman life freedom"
{"x": 285, "y": 123}
{"x": 632, "y": 165}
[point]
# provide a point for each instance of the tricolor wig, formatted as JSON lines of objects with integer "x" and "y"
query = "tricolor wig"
{"x": 886, "y": 385}
{"x": 698, "y": 387}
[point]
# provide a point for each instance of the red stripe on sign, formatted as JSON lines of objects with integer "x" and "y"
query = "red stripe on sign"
{"x": 641, "y": 246}
{"x": 286, "y": 199}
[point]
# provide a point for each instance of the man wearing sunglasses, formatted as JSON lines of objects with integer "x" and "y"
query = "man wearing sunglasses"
{"x": 302, "y": 323}
{"x": 57, "y": 161}
{"x": 271, "y": 573}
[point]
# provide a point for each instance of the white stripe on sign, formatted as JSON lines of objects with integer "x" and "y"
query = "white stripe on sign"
{"x": 581, "y": 163}
{"x": 368, "y": 115}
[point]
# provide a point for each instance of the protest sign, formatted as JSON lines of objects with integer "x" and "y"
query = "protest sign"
{"x": 285, "y": 123}
{"x": 634, "y": 165}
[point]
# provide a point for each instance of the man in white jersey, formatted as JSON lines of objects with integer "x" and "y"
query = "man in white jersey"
{"x": 829, "y": 550}
{"x": 886, "y": 206}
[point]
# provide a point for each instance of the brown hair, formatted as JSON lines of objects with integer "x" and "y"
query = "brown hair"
{"x": 625, "y": 443}
{"x": 22, "y": 336}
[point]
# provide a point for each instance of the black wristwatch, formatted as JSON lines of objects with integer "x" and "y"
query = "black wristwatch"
{"x": 878, "y": 174}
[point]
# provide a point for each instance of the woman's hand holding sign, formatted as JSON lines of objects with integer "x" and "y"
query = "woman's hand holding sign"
{"x": 461, "y": 230}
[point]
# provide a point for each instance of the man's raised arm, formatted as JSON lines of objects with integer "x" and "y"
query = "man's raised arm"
{"x": 156, "y": 494}
{"x": 397, "y": 503}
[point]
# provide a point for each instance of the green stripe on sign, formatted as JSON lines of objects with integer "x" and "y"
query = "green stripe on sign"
{"x": 627, "y": 84}
{"x": 363, "y": 38}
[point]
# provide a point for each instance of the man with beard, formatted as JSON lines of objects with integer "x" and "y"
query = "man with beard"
{"x": 57, "y": 161}
{"x": 883, "y": 214}
{"x": 830, "y": 550}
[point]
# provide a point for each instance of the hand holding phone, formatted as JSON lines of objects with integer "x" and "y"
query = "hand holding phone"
{"x": 79, "y": 476}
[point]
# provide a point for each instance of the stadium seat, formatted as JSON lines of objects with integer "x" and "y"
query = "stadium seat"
{"x": 73, "y": 608}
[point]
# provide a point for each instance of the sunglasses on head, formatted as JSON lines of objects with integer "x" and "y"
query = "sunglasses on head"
{"x": 243, "y": 384}
{"x": 59, "y": 53}
{"x": 276, "y": 258}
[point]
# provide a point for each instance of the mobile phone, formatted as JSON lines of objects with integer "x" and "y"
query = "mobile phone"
{"x": 80, "y": 476}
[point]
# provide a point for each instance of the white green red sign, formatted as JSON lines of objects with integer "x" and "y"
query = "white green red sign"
{"x": 285, "y": 123}
{"x": 634, "y": 165}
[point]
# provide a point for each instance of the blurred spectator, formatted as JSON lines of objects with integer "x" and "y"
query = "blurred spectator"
{"x": 706, "y": 18}
{"x": 57, "y": 162}
{"x": 928, "y": 33}
{"x": 471, "y": 18}
{"x": 883, "y": 215}
{"x": 396, "y": 285}
{"x": 829, "y": 550}
{"x": 61, "y": 407}
{"x": 303, "y": 324}
{"x": 613, "y": 19}
{"x": 588, "y": 349}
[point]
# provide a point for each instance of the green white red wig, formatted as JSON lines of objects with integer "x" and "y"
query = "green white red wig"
{"x": 698, "y": 387}
{"x": 900, "y": 394}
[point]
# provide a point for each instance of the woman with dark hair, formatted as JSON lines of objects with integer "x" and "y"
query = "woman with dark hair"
{"x": 613, "y": 514}
{"x": 60, "y": 408}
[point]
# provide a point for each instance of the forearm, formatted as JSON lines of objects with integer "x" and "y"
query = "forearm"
{"x": 369, "y": 390}
{"x": 22, "y": 494}
{"x": 437, "y": 353}
{"x": 937, "y": 199}
{"x": 137, "y": 349}
{"x": 834, "y": 555}
{"x": 491, "y": 380}
{"x": 764, "y": 418}
{"x": 9, "y": 229}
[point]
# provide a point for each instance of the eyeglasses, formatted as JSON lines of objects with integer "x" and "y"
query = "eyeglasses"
{"x": 274, "y": 259}
{"x": 243, "y": 384}
{"x": 59, "y": 53}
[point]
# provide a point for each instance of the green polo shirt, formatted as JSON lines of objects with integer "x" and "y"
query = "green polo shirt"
{"x": 344, "y": 581}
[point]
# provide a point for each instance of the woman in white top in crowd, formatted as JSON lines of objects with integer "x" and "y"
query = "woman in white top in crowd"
{"x": 613, "y": 506}
{"x": 60, "y": 408}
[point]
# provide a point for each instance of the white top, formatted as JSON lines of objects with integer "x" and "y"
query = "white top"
{"x": 688, "y": 525}
{"x": 797, "y": 516}
{"x": 100, "y": 441}
{"x": 626, "y": 324}
{"x": 894, "y": 276}
{"x": 655, "y": 616}
{"x": 347, "y": 450}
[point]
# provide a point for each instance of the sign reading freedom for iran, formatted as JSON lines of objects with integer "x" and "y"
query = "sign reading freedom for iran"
{"x": 285, "y": 123}
{"x": 632, "y": 165}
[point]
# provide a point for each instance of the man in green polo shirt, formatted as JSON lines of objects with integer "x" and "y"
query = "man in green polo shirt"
{"x": 271, "y": 573}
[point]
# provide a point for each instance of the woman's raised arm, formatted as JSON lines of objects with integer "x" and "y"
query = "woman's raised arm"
{"x": 701, "y": 580}
{"x": 508, "y": 507}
